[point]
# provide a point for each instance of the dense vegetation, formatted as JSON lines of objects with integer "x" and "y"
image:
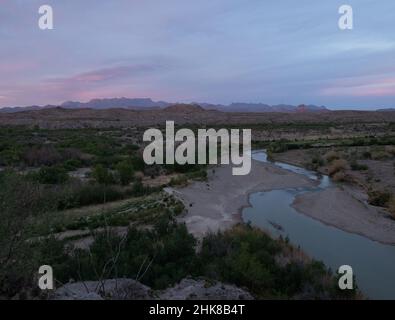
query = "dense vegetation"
{"x": 285, "y": 145}
{"x": 118, "y": 151}
{"x": 163, "y": 256}
{"x": 249, "y": 258}
{"x": 159, "y": 256}
{"x": 367, "y": 163}
{"x": 85, "y": 167}
{"x": 43, "y": 193}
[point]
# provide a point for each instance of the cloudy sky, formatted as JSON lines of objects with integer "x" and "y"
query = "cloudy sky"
{"x": 219, "y": 51}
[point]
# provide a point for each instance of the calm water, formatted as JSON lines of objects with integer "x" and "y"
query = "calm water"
{"x": 373, "y": 263}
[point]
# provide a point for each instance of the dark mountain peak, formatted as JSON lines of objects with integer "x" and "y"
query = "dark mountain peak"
{"x": 301, "y": 108}
{"x": 310, "y": 108}
{"x": 111, "y": 103}
{"x": 184, "y": 108}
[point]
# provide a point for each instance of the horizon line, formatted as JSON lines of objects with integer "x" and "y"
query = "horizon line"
{"x": 342, "y": 108}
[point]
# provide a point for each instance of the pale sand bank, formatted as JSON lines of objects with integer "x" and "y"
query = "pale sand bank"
{"x": 217, "y": 203}
{"x": 347, "y": 209}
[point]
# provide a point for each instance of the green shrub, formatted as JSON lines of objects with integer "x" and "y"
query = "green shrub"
{"x": 367, "y": 155}
{"x": 102, "y": 175}
{"x": 72, "y": 164}
{"x": 125, "y": 172}
{"x": 158, "y": 258}
{"x": 137, "y": 163}
{"x": 93, "y": 194}
{"x": 379, "y": 198}
{"x": 336, "y": 166}
{"x": 339, "y": 176}
{"x": 197, "y": 175}
{"x": 381, "y": 155}
{"x": 246, "y": 256}
{"x": 22, "y": 202}
{"x": 355, "y": 166}
{"x": 330, "y": 156}
{"x": 41, "y": 155}
{"x": 51, "y": 175}
{"x": 317, "y": 161}
{"x": 180, "y": 180}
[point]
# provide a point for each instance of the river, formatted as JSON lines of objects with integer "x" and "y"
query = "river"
{"x": 373, "y": 263}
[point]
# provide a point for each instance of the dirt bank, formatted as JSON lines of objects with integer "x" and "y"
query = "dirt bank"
{"x": 346, "y": 209}
{"x": 217, "y": 204}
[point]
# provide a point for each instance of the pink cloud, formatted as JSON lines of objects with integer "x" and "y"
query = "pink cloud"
{"x": 101, "y": 83}
{"x": 15, "y": 66}
{"x": 364, "y": 87}
{"x": 105, "y": 74}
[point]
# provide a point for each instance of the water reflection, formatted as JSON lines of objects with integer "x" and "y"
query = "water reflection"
{"x": 373, "y": 263}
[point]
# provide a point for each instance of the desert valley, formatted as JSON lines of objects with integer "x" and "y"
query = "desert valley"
{"x": 94, "y": 200}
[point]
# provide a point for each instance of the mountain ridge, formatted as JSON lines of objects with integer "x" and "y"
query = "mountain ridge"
{"x": 149, "y": 104}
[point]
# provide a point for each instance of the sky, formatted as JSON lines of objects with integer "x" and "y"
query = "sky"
{"x": 216, "y": 51}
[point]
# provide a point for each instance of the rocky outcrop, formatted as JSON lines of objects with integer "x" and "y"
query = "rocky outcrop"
{"x": 113, "y": 289}
{"x": 128, "y": 289}
{"x": 190, "y": 289}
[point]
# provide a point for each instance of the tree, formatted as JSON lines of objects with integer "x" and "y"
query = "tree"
{"x": 138, "y": 163}
{"x": 22, "y": 203}
{"x": 52, "y": 175}
{"x": 125, "y": 172}
{"x": 102, "y": 175}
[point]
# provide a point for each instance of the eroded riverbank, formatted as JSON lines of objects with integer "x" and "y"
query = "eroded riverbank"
{"x": 346, "y": 209}
{"x": 330, "y": 223}
{"x": 217, "y": 204}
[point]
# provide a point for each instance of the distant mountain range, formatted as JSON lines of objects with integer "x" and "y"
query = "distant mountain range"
{"x": 261, "y": 107}
{"x": 147, "y": 103}
{"x": 116, "y": 103}
{"x": 386, "y": 110}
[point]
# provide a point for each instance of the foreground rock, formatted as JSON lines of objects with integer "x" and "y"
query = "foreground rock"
{"x": 113, "y": 289}
{"x": 128, "y": 289}
{"x": 189, "y": 289}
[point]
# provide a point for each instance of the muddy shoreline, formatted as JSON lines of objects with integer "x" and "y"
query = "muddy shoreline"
{"x": 346, "y": 209}
{"x": 218, "y": 203}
